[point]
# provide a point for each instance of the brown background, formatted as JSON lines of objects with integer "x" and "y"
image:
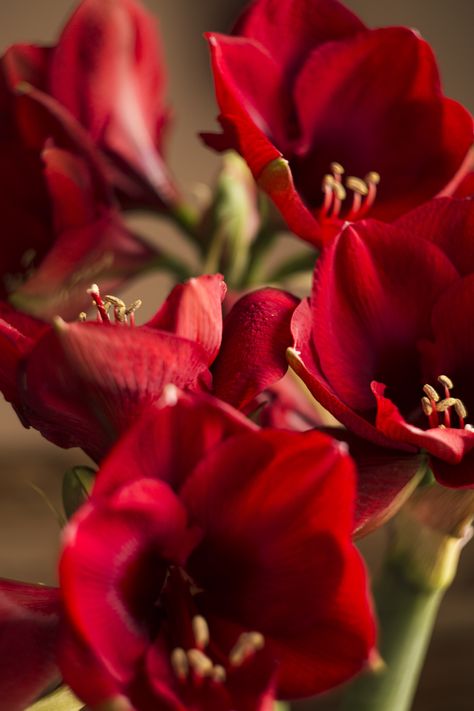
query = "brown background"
{"x": 28, "y": 530}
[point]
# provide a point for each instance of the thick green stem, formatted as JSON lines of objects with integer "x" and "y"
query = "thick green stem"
{"x": 427, "y": 537}
{"x": 406, "y": 618}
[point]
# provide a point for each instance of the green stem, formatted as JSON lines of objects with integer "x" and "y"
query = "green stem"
{"x": 169, "y": 264}
{"x": 406, "y": 618}
{"x": 256, "y": 270}
{"x": 187, "y": 220}
{"x": 420, "y": 565}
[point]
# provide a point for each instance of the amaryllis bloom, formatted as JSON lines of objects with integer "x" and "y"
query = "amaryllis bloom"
{"x": 106, "y": 71}
{"x": 60, "y": 224}
{"x": 192, "y": 580}
{"x": 83, "y": 383}
{"x": 324, "y": 109}
{"x": 383, "y": 343}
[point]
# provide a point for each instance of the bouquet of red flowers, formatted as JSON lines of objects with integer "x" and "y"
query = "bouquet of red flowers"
{"x": 244, "y": 437}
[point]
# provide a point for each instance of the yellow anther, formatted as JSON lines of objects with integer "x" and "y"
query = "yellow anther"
{"x": 426, "y": 405}
{"x": 340, "y": 191}
{"x": 219, "y": 674}
{"x": 134, "y": 306}
{"x": 200, "y": 631}
{"x": 447, "y": 382}
{"x": 200, "y": 663}
{"x": 357, "y": 185}
{"x": 82, "y": 316}
{"x": 179, "y": 662}
{"x": 445, "y": 404}
{"x": 373, "y": 177}
{"x": 337, "y": 168}
{"x": 328, "y": 182}
{"x": 460, "y": 409}
{"x": 431, "y": 392}
{"x": 114, "y": 301}
{"x": 256, "y": 640}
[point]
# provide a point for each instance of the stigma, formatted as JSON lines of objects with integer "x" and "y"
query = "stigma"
{"x": 122, "y": 314}
{"x": 433, "y": 405}
{"x": 335, "y": 190}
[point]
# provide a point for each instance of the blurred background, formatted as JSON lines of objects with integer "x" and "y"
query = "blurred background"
{"x": 28, "y": 527}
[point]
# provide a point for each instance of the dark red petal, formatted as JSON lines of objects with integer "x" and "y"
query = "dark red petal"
{"x": 114, "y": 85}
{"x": 457, "y": 476}
{"x": 194, "y": 311}
{"x": 248, "y": 105}
{"x": 28, "y": 63}
{"x": 113, "y": 566}
{"x": 448, "y": 223}
{"x": 385, "y": 479}
{"x": 86, "y": 383}
{"x": 376, "y": 321}
{"x": 449, "y": 444}
{"x": 379, "y": 94}
{"x": 252, "y": 355}
{"x": 289, "y": 29}
{"x": 283, "y": 548}
{"x": 29, "y": 621}
{"x": 169, "y": 440}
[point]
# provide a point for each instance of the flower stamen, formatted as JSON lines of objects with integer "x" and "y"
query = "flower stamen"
{"x": 200, "y": 631}
{"x": 363, "y": 194}
{"x": 180, "y": 664}
{"x": 432, "y": 404}
{"x": 123, "y": 314}
{"x": 246, "y": 646}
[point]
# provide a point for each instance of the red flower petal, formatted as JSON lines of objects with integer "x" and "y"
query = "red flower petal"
{"x": 375, "y": 324}
{"x": 86, "y": 383}
{"x": 113, "y": 566}
{"x": 29, "y": 620}
{"x": 312, "y": 23}
{"x": 194, "y": 311}
{"x": 364, "y": 100}
{"x": 252, "y": 355}
{"x": 286, "y": 563}
{"x": 153, "y": 448}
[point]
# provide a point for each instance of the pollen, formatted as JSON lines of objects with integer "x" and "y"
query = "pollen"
{"x": 246, "y": 646}
{"x": 373, "y": 178}
{"x": 200, "y": 663}
{"x": 431, "y": 392}
{"x": 200, "y": 631}
{"x": 219, "y": 674}
{"x": 123, "y": 314}
{"x": 357, "y": 185}
{"x": 179, "y": 662}
{"x": 337, "y": 168}
{"x": 432, "y": 405}
{"x": 447, "y": 382}
{"x": 427, "y": 406}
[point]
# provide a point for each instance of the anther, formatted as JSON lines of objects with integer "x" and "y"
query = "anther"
{"x": 134, "y": 306}
{"x": 328, "y": 182}
{"x": 447, "y": 382}
{"x": 200, "y": 663}
{"x": 339, "y": 191}
{"x": 372, "y": 178}
{"x": 357, "y": 185}
{"x": 247, "y": 644}
{"x": 179, "y": 662}
{"x": 337, "y": 168}
{"x": 445, "y": 404}
{"x": 219, "y": 674}
{"x": 114, "y": 301}
{"x": 426, "y": 406}
{"x": 82, "y": 316}
{"x": 460, "y": 410}
{"x": 200, "y": 631}
{"x": 431, "y": 392}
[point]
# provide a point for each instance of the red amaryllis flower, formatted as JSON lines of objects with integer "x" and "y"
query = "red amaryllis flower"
{"x": 303, "y": 83}
{"x": 394, "y": 364}
{"x": 107, "y": 71}
{"x": 203, "y": 597}
{"x": 82, "y": 384}
{"x": 60, "y": 223}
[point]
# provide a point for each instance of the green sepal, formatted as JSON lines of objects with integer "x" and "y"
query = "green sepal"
{"x": 77, "y": 485}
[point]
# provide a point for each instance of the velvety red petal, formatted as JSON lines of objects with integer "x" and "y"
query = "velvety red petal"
{"x": 385, "y": 479}
{"x": 194, "y": 311}
{"x": 29, "y": 621}
{"x": 28, "y": 63}
{"x": 252, "y": 355}
{"x": 86, "y": 383}
{"x": 286, "y": 562}
{"x": 251, "y": 110}
{"x": 449, "y": 224}
{"x": 114, "y": 85}
{"x": 289, "y": 29}
{"x": 379, "y": 94}
{"x": 113, "y": 565}
{"x": 375, "y": 320}
{"x": 153, "y": 448}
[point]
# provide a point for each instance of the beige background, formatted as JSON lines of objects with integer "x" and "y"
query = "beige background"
{"x": 28, "y": 531}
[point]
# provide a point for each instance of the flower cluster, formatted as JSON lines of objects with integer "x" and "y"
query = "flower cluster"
{"x": 211, "y": 565}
